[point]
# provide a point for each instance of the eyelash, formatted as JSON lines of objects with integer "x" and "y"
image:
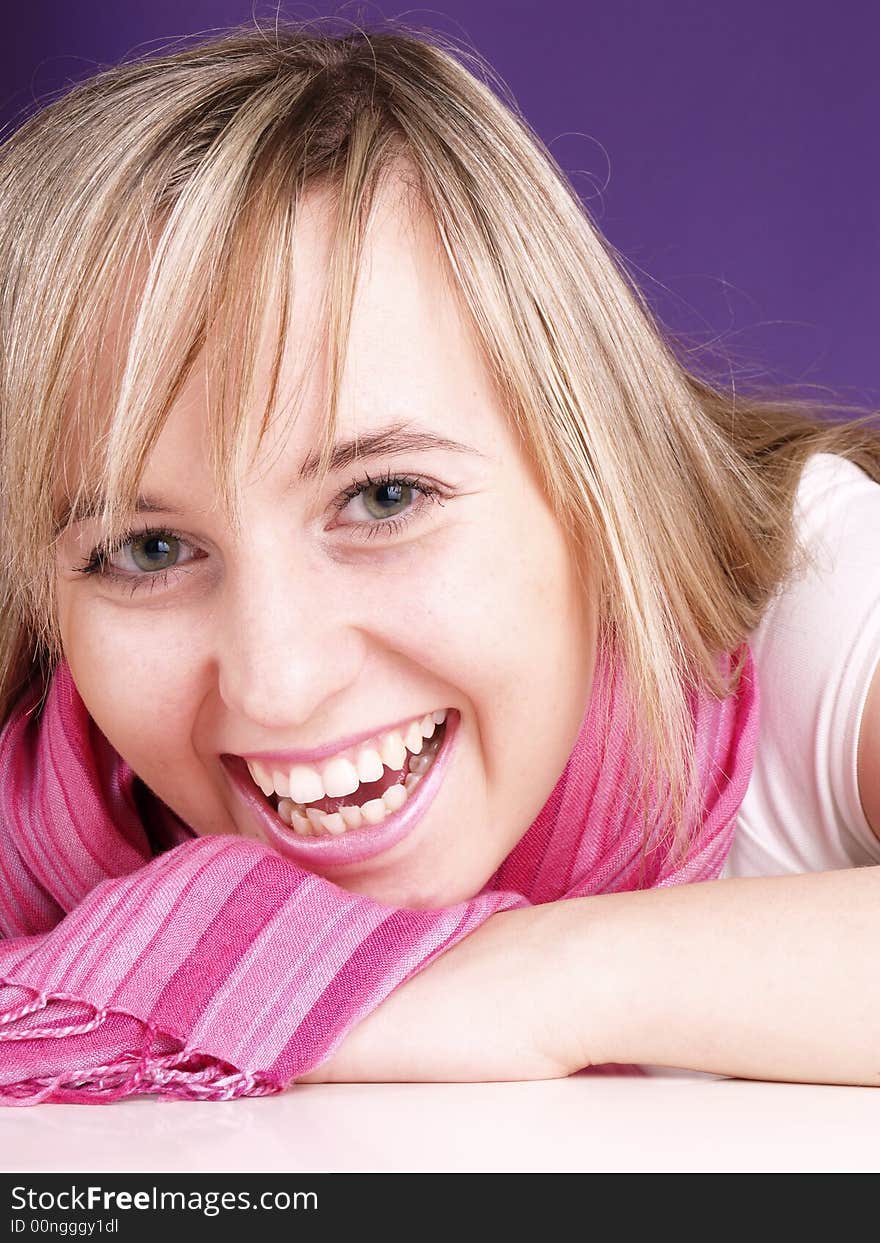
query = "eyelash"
{"x": 97, "y": 562}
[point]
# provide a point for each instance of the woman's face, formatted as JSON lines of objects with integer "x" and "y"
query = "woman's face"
{"x": 426, "y": 576}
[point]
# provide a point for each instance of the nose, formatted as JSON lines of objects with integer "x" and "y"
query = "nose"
{"x": 285, "y": 648}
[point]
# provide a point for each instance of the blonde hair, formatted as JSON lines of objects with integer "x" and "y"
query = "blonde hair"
{"x": 676, "y": 495}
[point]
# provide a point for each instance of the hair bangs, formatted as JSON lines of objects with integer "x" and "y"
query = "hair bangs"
{"x": 253, "y": 303}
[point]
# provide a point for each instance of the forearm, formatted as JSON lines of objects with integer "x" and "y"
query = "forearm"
{"x": 486, "y": 1010}
{"x": 771, "y": 978}
{"x": 765, "y": 978}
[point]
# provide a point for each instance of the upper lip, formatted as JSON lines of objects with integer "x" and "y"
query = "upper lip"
{"x": 283, "y": 758}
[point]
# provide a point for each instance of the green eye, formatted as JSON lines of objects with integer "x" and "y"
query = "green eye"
{"x": 155, "y": 552}
{"x": 384, "y": 500}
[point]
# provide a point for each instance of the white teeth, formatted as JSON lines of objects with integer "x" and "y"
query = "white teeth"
{"x": 305, "y": 785}
{"x": 413, "y": 738}
{"x": 393, "y": 751}
{"x": 374, "y": 811}
{"x": 334, "y": 824}
{"x": 394, "y": 797}
{"x": 281, "y": 783}
{"x": 342, "y": 775}
{"x": 261, "y": 776}
{"x": 301, "y": 824}
{"x": 369, "y": 765}
{"x": 352, "y": 817}
{"x": 339, "y": 777}
{"x": 293, "y": 818}
{"x": 317, "y": 823}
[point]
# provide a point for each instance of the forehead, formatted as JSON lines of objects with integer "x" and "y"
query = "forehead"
{"x": 408, "y": 330}
{"x": 411, "y": 356}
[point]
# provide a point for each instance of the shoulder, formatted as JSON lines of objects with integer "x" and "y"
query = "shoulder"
{"x": 836, "y": 498}
{"x": 868, "y": 761}
{"x": 831, "y": 481}
{"x": 818, "y": 651}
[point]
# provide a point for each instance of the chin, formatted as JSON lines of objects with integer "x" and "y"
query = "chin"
{"x": 412, "y": 895}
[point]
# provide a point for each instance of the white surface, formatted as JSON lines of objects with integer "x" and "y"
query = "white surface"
{"x": 669, "y": 1121}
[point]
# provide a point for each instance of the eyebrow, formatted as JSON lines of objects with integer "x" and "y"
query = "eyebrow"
{"x": 396, "y": 438}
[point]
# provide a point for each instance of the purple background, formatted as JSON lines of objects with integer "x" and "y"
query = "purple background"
{"x": 728, "y": 150}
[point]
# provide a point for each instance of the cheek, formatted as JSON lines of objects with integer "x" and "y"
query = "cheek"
{"x": 131, "y": 671}
{"x": 488, "y": 597}
{"x": 454, "y": 606}
{"x": 496, "y": 614}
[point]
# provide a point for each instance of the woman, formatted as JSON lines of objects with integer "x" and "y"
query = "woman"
{"x": 354, "y": 505}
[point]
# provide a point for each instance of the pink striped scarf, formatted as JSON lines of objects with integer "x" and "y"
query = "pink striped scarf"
{"x": 139, "y": 958}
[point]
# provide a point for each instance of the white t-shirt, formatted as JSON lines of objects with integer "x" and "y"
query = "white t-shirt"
{"x": 815, "y": 652}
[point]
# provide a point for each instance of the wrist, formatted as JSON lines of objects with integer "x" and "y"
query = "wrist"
{"x": 588, "y": 992}
{"x": 573, "y": 1000}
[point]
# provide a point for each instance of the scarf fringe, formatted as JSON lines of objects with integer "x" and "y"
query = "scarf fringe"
{"x": 185, "y": 1074}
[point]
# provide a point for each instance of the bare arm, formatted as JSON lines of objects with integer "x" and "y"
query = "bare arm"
{"x": 766, "y": 978}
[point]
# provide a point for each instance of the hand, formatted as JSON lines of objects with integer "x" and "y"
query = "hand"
{"x": 499, "y": 1005}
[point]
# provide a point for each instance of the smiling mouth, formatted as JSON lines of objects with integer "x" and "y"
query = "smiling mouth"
{"x": 357, "y": 789}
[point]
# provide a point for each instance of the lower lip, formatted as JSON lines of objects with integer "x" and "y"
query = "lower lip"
{"x": 355, "y": 845}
